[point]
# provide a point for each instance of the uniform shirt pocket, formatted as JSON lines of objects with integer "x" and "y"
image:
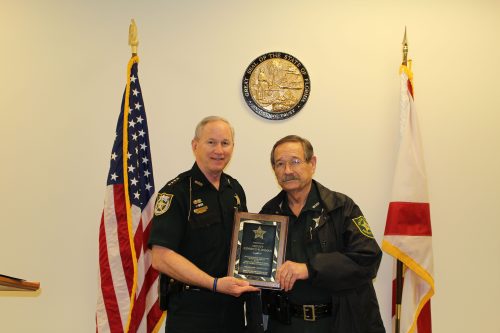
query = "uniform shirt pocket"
{"x": 204, "y": 220}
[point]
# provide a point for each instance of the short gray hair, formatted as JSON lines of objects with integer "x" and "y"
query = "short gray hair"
{"x": 209, "y": 119}
{"x": 306, "y": 146}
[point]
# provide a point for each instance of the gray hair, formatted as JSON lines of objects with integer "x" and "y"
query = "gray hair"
{"x": 209, "y": 119}
{"x": 306, "y": 146}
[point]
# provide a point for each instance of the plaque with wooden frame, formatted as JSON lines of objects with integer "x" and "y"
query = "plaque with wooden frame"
{"x": 258, "y": 246}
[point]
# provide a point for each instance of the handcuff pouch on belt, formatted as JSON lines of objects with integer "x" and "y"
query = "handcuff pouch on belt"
{"x": 277, "y": 306}
{"x": 166, "y": 287}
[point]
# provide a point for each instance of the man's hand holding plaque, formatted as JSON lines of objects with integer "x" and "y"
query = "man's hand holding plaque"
{"x": 289, "y": 272}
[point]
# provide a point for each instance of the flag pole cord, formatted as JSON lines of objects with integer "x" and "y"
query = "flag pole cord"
{"x": 399, "y": 294}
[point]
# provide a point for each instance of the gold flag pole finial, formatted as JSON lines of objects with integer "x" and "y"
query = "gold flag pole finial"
{"x": 133, "y": 41}
{"x": 405, "y": 50}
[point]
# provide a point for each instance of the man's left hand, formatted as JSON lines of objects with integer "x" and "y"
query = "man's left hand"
{"x": 290, "y": 272}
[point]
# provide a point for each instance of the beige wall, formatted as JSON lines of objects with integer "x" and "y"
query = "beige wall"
{"x": 62, "y": 78}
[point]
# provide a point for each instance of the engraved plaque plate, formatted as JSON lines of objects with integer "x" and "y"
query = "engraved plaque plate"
{"x": 276, "y": 85}
{"x": 258, "y": 248}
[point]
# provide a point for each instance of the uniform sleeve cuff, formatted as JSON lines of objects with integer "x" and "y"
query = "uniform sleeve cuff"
{"x": 310, "y": 270}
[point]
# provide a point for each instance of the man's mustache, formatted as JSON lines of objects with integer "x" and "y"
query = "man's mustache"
{"x": 288, "y": 178}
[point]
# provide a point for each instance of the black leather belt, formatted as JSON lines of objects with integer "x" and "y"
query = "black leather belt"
{"x": 311, "y": 312}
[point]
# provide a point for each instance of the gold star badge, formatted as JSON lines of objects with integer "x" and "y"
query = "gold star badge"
{"x": 259, "y": 233}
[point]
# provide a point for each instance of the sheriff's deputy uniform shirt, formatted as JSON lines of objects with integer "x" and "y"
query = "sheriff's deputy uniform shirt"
{"x": 195, "y": 219}
{"x": 302, "y": 245}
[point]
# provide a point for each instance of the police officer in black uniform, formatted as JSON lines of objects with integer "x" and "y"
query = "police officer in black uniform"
{"x": 191, "y": 234}
{"x": 331, "y": 256}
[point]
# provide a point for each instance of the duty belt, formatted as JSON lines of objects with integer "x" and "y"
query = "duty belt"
{"x": 311, "y": 312}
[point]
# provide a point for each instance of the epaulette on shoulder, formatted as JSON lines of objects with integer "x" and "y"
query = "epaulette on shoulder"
{"x": 173, "y": 181}
{"x": 178, "y": 179}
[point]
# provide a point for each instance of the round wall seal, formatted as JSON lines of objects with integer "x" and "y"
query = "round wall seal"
{"x": 276, "y": 85}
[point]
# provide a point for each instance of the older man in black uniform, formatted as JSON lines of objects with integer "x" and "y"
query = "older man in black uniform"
{"x": 331, "y": 255}
{"x": 191, "y": 233}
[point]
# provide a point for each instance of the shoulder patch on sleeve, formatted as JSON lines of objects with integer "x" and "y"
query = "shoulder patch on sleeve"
{"x": 163, "y": 201}
{"x": 363, "y": 226}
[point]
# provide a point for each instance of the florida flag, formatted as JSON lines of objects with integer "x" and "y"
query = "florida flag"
{"x": 408, "y": 233}
{"x": 127, "y": 298}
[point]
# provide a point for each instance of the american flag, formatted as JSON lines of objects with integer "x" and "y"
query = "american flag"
{"x": 127, "y": 298}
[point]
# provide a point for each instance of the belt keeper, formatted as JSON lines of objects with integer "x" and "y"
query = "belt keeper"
{"x": 214, "y": 288}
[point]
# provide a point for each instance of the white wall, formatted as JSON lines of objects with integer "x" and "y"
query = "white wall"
{"x": 62, "y": 78}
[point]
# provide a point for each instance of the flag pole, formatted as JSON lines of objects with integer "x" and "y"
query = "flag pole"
{"x": 399, "y": 264}
{"x": 133, "y": 41}
{"x": 399, "y": 293}
{"x": 405, "y": 49}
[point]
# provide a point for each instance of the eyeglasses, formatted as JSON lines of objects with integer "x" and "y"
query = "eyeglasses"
{"x": 293, "y": 163}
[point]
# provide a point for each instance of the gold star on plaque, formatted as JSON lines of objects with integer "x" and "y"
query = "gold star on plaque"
{"x": 259, "y": 233}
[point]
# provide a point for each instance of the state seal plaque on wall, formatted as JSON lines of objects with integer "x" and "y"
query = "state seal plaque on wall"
{"x": 276, "y": 85}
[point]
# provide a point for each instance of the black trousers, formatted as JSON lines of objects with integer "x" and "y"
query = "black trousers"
{"x": 201, "y": 311}
{"x": 299, "y": 325}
